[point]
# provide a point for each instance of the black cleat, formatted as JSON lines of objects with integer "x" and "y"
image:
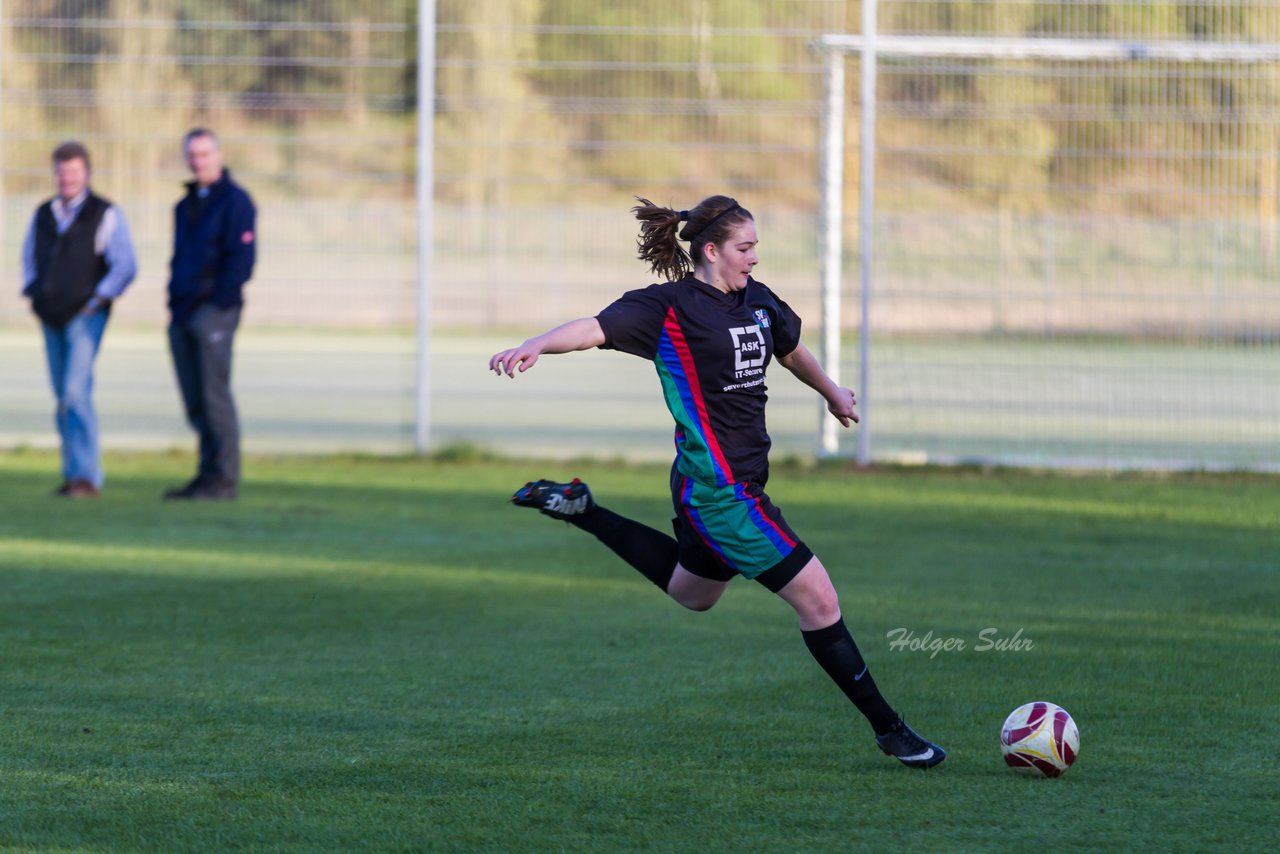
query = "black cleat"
{"x": 557, "y": 500}
{"x": 910, "y": 749}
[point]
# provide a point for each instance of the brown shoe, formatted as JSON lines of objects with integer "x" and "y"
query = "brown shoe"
{"x": 81, "y": 489}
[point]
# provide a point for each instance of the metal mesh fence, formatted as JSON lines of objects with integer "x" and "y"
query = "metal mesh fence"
{"x": 1077, "y": 261}
{"x": 1127, "y": 215}
{"x": 313, "y": 112}
{"x": 553, "y": 115}
{"x": 314, "y": 109}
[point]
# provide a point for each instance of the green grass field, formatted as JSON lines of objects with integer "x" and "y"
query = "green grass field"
{"x": 378, "y": 654}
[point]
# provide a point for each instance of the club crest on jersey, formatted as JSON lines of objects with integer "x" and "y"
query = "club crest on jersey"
{"x": 762, "y": 317}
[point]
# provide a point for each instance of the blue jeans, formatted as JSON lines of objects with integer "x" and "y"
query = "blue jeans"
{"x": 71, "y": 352}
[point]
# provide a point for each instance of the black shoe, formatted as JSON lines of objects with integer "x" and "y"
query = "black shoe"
{"x": 215, "y": 490}
{"x": 184, "y": 492}
{"x": 910, "y": 749}
{"x": 557, "y": 500}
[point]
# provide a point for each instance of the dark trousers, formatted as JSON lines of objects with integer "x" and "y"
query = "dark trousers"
{"x": 201, "y": 349}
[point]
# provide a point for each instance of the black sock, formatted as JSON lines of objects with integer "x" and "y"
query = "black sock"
{"x": 835, "y": 650}
{"x": 652, "y": 553}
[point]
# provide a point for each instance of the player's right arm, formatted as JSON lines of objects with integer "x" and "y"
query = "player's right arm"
{"x": 581, "y": 334}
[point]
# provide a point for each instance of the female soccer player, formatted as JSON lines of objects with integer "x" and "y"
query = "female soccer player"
{"x": 711, "y": 331}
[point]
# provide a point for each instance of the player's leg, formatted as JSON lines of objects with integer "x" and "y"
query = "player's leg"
{"x": 679, "y": 567}
{"x": 817, "y": 607}
{"x": 813, "y": 597}
{"x": 652, "y": 553}
{"x": 694, "y": 591}
{"x": 758, "y": 538}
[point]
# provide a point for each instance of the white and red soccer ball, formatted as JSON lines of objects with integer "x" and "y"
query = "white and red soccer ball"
{"x": 1040, "y": 740}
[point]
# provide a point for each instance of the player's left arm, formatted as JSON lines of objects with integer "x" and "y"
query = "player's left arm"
{"x": 840, "y": 400}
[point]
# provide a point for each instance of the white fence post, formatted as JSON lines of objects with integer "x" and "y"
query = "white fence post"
{"x": 426, "y": 201}
{"x": 831, "y": 215}
{"x": 866, "y": 224}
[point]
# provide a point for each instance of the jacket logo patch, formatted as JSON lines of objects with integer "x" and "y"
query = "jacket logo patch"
{"x": 762, "y": 317}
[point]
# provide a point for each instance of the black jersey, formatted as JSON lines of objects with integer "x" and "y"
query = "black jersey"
{"x": 711, "y": 350}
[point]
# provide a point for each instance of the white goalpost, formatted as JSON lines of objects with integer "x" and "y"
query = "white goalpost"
{"x": 870, "y": 47}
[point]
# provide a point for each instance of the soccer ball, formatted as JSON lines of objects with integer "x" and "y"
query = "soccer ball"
{"x": 1040, "y": 740}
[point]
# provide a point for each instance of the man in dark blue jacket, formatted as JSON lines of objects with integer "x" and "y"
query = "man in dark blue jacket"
{"x": 214, "y": 243}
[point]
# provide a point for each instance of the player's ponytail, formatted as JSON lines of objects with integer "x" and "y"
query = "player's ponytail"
{"x": 659, "y": 247}
{"x": 710, "y": 221}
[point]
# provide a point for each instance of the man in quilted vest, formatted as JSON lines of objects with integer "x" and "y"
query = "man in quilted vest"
{"x": 77, "y": 259}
